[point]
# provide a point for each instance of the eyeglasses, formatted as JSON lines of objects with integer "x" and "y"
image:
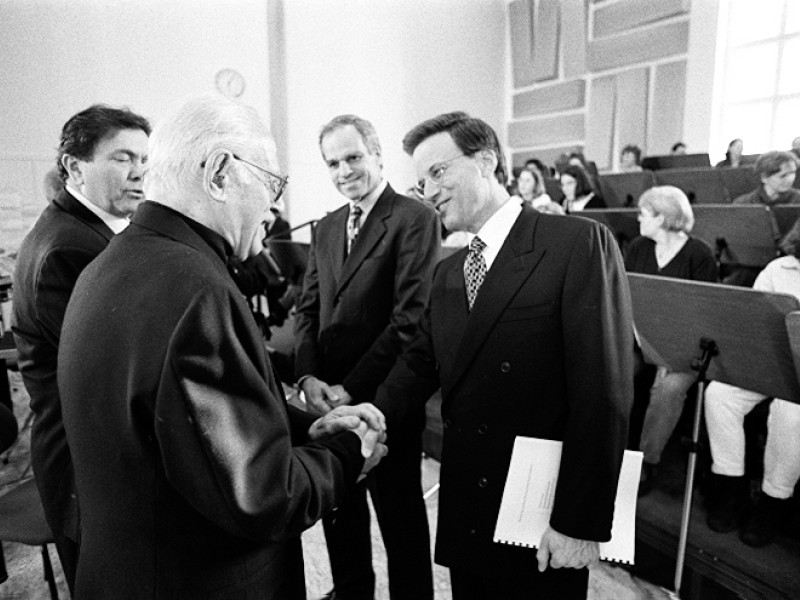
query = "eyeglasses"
{"x": 436, "y": 174}
{"x": 276, "y": 183}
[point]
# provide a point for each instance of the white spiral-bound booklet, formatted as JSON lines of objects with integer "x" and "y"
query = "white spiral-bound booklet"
{"x": 530, "y": 489}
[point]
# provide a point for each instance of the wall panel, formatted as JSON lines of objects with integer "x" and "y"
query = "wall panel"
{"x": 630, "y": 113}
{"x": 520, "y": 15}
{"x": 573, "y": 37}
{"x": 550, "y": 99}
{"x": 600, "y": 121}
{"x": 545, "y": 41}
{"x": 666, "y": 114}
{"x": 546, "y": 131}
{"x": 629, "y": 14}
{"x": 638, "y": 46}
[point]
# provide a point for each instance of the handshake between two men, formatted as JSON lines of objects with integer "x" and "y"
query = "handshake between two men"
{"x": 365, "y": 420}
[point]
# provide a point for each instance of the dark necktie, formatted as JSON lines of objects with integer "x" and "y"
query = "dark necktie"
{"x": 474, "y": 269}
{"x": 353, "y": 226}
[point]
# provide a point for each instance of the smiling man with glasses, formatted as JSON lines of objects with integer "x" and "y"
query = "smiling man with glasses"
{"x": 366, "y": 285}
{"x": 195, "y": 477}
{"x": 528, "y": 332}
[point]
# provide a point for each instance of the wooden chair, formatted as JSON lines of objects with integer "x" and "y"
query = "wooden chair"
{"x": 22, "y": 521}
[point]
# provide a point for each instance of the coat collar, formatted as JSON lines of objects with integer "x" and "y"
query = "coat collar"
{"x": 373, "y": 229}
{"x": 172, "y": 224}
{"x": 68, "y": 203}
{"x": 514, "y": 264}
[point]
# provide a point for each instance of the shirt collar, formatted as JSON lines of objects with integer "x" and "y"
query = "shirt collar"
{"x": 495, "y": 231}
{"x": 367, "y": 202}
{"x": 114, "y": 223}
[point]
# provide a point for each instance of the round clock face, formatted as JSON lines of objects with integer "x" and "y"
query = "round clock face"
{"x": 230, "y": 83}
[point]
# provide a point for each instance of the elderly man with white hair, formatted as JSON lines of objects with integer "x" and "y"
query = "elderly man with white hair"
{"x": 195, "y": 478}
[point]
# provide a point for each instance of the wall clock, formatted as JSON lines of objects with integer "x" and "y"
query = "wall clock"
{"x": 230, "y": 83}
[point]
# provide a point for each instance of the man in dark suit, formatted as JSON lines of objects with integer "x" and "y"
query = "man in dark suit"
{"x": 366, "y": 285}
{"x": 101, "y": 162}
{"x": 195, "y": 477}
{"x": 529, "y": 333}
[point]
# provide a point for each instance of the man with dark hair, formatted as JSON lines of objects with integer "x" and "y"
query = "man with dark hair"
{"x": 528, "y": 332}
{"x": 101, "y": 161}
{"x": 776, "y": 170}
{"x": 365, "y": 288}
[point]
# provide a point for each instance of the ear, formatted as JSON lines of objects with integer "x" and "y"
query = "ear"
{"x": 73, "y": 166}
{"x": 216, "y": 174}
{"x": 488, "y": 161}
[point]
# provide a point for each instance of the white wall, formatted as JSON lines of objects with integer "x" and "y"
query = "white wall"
{"x": 58, "y": 57}
{"x": 393, "y": 62}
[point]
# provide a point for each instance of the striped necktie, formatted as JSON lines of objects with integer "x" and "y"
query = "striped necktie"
{"x": 353, "y": 226}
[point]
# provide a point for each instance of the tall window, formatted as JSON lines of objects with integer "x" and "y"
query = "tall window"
{"x": 760, "y": 91}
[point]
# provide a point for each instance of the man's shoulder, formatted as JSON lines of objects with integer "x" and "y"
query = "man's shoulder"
{"x": 407, "y": 204}
{"x": 57, "y": 229}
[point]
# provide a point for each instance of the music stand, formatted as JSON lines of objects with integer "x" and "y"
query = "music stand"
{"x": 742, "y": 338}
{"x": 701, "y": 186}
{"x": 741, "y": 234}
{"x": 623, "y": 189}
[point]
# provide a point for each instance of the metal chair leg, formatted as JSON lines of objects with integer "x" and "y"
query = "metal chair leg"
{"x": 49, "y": 576}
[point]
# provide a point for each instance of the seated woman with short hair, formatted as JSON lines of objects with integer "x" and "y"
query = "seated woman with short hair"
{"x": 665, "y": 248}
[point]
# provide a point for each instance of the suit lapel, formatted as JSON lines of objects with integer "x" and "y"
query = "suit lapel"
{"x": 451, "y": 313}
{"x": 338, "y": 242}
{"x": 73, "y": 206}
{"x": 513, "y": 266}
{"x": 373, "y": 229}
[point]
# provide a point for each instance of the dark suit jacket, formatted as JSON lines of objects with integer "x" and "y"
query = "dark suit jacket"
{"x": 545, "y": 352}
{"x": 356, "y": 314}
{"x": 190, "y": 482}
{"x": 66, "y": 237}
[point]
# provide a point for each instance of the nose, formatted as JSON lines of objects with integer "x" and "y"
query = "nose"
{"x": 138, "y": 170}
{"x": 344, "y": 168}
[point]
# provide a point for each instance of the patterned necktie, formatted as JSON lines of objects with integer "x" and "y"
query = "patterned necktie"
{"x": 353, "y": 226}
{"x": 474, "y": 269}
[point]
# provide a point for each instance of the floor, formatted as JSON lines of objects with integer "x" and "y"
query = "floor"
{"x": 24, "y": 564}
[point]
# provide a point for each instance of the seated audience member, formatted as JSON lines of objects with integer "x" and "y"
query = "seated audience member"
{"x": 726, "y": 407}
{"x": 733, "y": 155}
{"x": 665, "y": 248}
{"x": 630, "y": 159}
{"x": 777, "y": 171}
{"x": 534, "y": 164}
{"x": 578, "y": 191}
{"x": 195, "y": 477}
{"x": 678, "y": 149}
{"x": 530, "y": 189}
{"x": 795, "y": 147}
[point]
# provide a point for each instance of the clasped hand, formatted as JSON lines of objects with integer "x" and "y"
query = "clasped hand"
{"x": 321, "y": 397}
{"x": 366, "y": 421}
{"x": 561, "y": 551}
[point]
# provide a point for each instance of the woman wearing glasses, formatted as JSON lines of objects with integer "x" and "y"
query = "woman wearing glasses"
{"x": 665, "y": 248}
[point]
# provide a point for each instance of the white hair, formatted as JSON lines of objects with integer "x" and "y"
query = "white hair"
{"x": 181, "y": 142}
